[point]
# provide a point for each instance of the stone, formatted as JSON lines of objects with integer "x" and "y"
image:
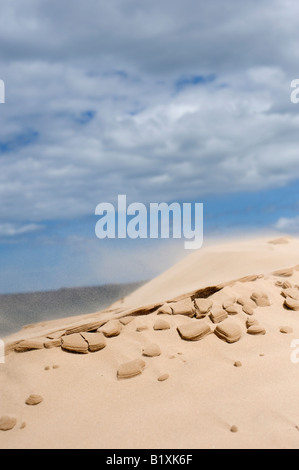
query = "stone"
{"x": 111, "y": 328}
{"x": 286, "y": 330}
{"x": 130, "y": 369}
{"x": 291, "y": 303}
{"x": 284, "y": 272}
{"x": 256, "y": 330}
{"x": 55, "y": 366}
{"x": 229, "y": 332}
{"x": 84, "y": 325}
{"x": 229, "y": 302}
{"x": 246, "y": 301}
{"x": 56, "y": 334}
{"x": 52, "y": 343}
{"x": 161, "y": 324}
{"x": 29, "y": 345}
{"x": 291, "y": 292}
{"x": 202, "y": 306}
{"x": 96, "y": 341}
{"x": 238, "y": 364}
{"x": 251, "y": 321}
{"x": 232, "y": 310}
{"x": 141, "y": 327}
{"x": 34, "y": 399}
{"x": 286, "y": 285}
{"x": 218, "y": 316}
{"x": 126, "y": 320}
{"x": 74, "y": 343}
{"x": 234, "y": 428}
{"x": 194, "y": 331}
{"x": 247, "y": 309}
{"x": 183, "y": 307}
{"x": 166, "y": 309}
{"x": 163, "y": 377}
{"x": 151, "y": 350}
{"x": 7, "y": 423}
{"x": 260, "y": 298}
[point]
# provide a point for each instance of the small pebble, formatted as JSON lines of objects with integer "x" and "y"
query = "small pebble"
{"x": 7, "y": 423}
{"x": 238, "y": 364}
{"x": 56, "y": 366}
{"x": 163, "y": 377}
{"x": 34, "y": 399}
{"x": 47, "y": 368}
{"x": 23, "y": 425}
{"x": 286, "y": 330}
{"x": 234, "y": 428}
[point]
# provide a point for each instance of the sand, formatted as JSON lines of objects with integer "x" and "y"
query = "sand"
{"x": 192, "y": 384}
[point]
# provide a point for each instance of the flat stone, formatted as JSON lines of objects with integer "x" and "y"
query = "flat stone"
{"x": 163, "y": 377}
{"x": 96, "y": 341}
{"x": 183, "y": 307}
{"x": 161, "y": 324}
{"x": 229, "y": 302}
{"x": 33, "y": 400}
{"x": 229, "y": 332}
{"x": 141, "y": 327}
{"x": 291, "y": 292}
{"x": 126, "y": 320}
{"x": 74, "y": 343}
{"x": 256, "y": 330}
{"x": 260, "y": 298}
{"x": 52, "y": 343}
{"x": 7, "y": 423}
{"x": 131, "y": 369}
{"x": 246, "y": 301}
{"x": 194, "y": 331}
{"x": 251, "y": 321}
{"x": 218, "y": 316}
{"x": 232, "y": 310}
{"x": 111, "y": 328}
{"x": 29, "y": 345}
{"x": 202, "y": 306}
{"x": 248, "y": 309}
{"x": 165, "y": 309}
{"x": 286, "y": 330}
{"x": 151, "y": 350}
{"x": 56, "y": 334}
{"x": 284, "y": 272}
{"x": 291, "y": 303}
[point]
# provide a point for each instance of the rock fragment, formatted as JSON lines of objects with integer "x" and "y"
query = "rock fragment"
{"x": 194, "y": 331}
{"x": 202, "y": 306}
{"x": 183, "y": 307}
{"x": 291, "y": 304}
{"x": 7, "y": 423}
{"x": 256, "y": 330}
{"x": 96, "y": 341}
{"x": 161, "y": 324}
{"x": 218, "y": 316}
{"x": 34, "y": 399}
{"x": 151, "y": 350}
{"x": 74, "y": 343}
{"x": 228, "y": 331}
{"x": 111, "y": 328}
{"x": 130, "y": 369}
{"x": 260, "y": 298}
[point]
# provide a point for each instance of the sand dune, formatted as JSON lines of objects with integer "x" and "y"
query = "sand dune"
{"x": 203, "y": 356}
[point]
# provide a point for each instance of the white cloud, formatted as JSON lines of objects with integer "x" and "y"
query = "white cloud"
{"x": 11, "y": 230}
{"x": 288, "y": 225}
{"x": 122, "y": 60}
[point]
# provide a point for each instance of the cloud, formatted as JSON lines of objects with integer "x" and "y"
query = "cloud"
{"x": 12, "y": 230}
{"x": 288, "y": 225}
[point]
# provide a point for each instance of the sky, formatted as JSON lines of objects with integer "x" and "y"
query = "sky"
{"x": 163, "y": 101}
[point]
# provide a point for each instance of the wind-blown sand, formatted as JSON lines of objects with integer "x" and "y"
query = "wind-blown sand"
{"x": 164, "y": 368}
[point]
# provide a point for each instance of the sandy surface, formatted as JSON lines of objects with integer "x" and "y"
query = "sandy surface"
{"x": 85, "y": 404}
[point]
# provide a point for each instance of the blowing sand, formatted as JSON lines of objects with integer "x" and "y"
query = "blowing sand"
{"x": 200, "y": 357}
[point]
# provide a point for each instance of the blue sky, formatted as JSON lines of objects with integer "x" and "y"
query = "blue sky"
{"x": 173, "y": 101}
